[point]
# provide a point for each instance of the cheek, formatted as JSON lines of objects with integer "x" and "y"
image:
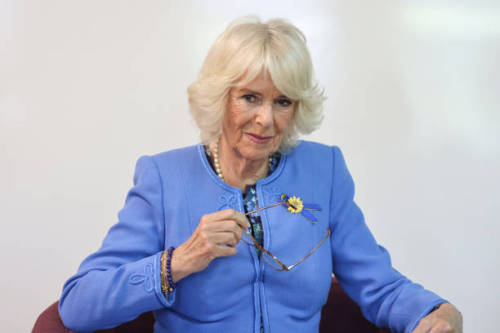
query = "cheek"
{"x": 241, "y": 122}
{"x": 282, "y": 122}
{"x": 236, "y": 121}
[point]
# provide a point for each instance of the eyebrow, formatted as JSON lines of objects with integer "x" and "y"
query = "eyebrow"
{"x": 246, "y": 90}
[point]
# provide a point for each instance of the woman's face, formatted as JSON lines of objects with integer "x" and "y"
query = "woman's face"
{"x": 256, "y": 116}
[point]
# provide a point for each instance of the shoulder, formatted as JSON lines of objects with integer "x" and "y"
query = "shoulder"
{"x": 315, "y": 159}
{"x": 178, "y": 155}
{"x": 168, "y": 162}
{"x": 315, "y": 152}
{"x": 319, "y": 159}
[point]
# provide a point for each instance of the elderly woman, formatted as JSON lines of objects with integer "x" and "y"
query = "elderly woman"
{"x": 243, "y": 232}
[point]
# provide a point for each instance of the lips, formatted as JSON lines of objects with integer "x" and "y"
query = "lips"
{"x": 257, "y": 138}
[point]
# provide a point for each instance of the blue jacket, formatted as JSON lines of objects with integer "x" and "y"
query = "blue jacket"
{"x": 173, "y": 190}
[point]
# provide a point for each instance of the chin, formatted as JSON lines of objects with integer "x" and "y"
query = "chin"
{"x": 255, "y": 154}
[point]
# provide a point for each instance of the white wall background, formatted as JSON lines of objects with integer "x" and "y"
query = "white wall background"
{"x": 86, "y": 87}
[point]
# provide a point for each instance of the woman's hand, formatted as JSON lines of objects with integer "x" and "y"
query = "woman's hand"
{"x": 444, "y": 319}
{"x": 216, "y": 236}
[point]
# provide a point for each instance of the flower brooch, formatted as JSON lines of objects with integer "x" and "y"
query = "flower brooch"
{"x": 295, "y": 206}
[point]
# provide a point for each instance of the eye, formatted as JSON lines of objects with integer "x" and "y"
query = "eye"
{"x": 284, "y": 102}
{"x": 250, "y": 98}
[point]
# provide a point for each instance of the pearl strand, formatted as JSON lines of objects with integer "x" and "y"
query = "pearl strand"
{"x": 218, "y": 169}
{"x": 216, "y": 161}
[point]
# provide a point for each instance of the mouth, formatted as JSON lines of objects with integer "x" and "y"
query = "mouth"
{"x": 258, "y": 139}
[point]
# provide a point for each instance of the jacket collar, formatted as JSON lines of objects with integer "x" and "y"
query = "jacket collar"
{"x": 261, "y": 182}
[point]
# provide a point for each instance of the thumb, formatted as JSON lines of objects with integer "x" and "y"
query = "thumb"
{"x": 424, "y": 326}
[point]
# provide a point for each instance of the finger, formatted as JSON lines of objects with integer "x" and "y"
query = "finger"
{"x": 226, "y": 214}
{"x": 225, "y": 251}
{"x": 423, "y": 327}
{"x": 231, "y": 227}
{"x": 224, "y": 226}
{"x": 227, "y": 238}
{"x": 441, "y": 327}
{"x": 231, "y": 214}
{"x": 214, "y": 222}
{"x": 242, "y": 220}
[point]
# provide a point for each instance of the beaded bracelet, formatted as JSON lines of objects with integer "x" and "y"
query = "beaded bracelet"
{"x": 169, "y": 273}
{"x": 164, "y": 280}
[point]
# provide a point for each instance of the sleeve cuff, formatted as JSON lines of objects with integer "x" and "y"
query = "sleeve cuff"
{"x": 424, "y": 313}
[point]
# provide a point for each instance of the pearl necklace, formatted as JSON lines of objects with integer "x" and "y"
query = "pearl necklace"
{"x": 218, "y": 169}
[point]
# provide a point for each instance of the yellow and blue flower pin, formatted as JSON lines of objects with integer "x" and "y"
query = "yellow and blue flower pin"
{"x": 295, "y": 206}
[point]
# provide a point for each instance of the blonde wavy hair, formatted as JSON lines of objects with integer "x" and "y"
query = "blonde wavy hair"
{"x": 244, "y": 50}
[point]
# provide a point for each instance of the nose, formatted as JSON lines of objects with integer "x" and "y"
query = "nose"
{"x": 264, "y": 116}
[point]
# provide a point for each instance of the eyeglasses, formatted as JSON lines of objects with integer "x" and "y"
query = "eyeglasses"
{"x": 270, "y": 258}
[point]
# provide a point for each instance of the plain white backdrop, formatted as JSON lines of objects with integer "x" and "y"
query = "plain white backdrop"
{"x": 86, "y": 87}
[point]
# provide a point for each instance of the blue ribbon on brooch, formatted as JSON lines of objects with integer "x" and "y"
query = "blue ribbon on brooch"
{"x": 295, "y": 206}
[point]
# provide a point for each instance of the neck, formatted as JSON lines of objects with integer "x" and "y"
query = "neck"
{"x": 237, "y": 170}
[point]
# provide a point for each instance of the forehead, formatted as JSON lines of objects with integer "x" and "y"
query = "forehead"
{"x": 262, "y": 83}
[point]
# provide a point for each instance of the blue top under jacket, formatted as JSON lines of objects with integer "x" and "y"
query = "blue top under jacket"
{"x": 173, "y": 190}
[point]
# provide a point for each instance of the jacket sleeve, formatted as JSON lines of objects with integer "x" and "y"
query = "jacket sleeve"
{"x": 363, "y": 268}
{"x": 122, "y": 279}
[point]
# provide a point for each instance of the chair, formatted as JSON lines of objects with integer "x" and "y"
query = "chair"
{"x": 340, "y": 314}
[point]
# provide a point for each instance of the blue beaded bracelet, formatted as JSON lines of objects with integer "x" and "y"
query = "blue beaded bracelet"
{"x": 169, "y": 273}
